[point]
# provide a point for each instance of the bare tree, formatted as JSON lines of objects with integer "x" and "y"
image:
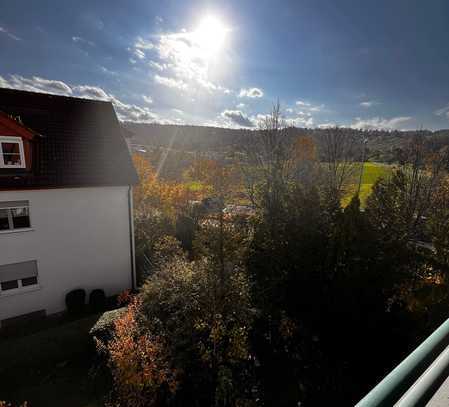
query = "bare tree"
{"x": 424, "y": 170}
{"x": 339, "y": 151}
{"x": 269, "y": 158}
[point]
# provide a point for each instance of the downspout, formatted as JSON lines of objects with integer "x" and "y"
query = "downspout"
{"x": 131, "y": 238}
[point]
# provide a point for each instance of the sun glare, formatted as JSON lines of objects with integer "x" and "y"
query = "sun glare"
{"x": 210, "y": 35}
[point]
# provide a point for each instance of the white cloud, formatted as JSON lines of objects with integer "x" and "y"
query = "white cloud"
{"x": 237, "y": 117}
{"x": 124, "y": 111}
{"x": 170, "y": 82}
{"x": 302, "y": 103}
{"x": 143, "y": 44}
{"x": 156, "y": 65}
{"x": 37, "y": 84}
{"x": 395, "y": 123}
{"x": 316, "y": 108}
{"x": 329, "y": 125}
{"x": 369, "y": 103}
{"x": 9, "y": 34}
{"x": 107, "y": 71}
{"x": 443, "y": 111}
{"x": 81, "y": 40}
{"x": 251, "y": 93}
{"x": 132, "y": 112}
{"x": 147, "y": 99}
{"x": 240, "y": 106}
{"x": 300, "y": 121}
{"x": 182, "y": 57}
{"x": 139, "y": 53}
{"x": 91, "y": 92}
{"x": 307, "y": 106}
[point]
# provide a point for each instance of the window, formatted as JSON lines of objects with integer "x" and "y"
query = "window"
{"x": 14, "y": 215}
{"x": 11, "y": 152}
{"x": 18, "y": 276}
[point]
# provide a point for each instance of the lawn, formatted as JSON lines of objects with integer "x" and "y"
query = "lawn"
{"x": 371, "y": 173}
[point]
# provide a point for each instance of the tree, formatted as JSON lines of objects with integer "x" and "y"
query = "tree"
{"x": 159, "y": 208}
{"x": 339, "y": 150}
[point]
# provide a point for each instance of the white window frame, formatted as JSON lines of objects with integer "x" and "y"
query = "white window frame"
{"x": 17, "y": 140}
{"x": 12, "y": 229}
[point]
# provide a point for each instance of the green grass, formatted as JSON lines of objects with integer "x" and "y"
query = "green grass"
{"x": 371, "y": 173}
{"x": 195, "y": 186}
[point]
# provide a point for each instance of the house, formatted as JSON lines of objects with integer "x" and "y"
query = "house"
{"x": 66, "y": 181}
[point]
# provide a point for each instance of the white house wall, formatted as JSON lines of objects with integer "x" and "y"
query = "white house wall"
{"x": 80, "y": 239}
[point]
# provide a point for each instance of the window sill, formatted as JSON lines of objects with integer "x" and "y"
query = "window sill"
{"x": 5, "y": 232}
{"x": 21, "y": 290}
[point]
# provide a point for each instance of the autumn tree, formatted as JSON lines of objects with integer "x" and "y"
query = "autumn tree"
{"x": 158, "y": 206}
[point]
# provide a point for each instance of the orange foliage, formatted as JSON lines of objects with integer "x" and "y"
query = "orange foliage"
{"x": 168, "y": 197}
{"x": 202, "y": 170}
{"x": 305, "y": 149}
{"x": 138, "y": 362}
{"x": 217, "y": 178}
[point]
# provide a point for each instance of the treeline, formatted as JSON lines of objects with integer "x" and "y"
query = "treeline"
{"x": 299, "y": 300}
{"x": 383, "y": 146}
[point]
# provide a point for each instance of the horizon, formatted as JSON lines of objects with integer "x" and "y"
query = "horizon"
{"x": 204, "y": 63}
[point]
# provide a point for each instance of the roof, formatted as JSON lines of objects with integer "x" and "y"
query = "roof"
{"x": 80, "y": 143}
{"x": 9, "y": 123}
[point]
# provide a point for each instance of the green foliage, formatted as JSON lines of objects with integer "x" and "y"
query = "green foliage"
{"x": 206, "y": 322}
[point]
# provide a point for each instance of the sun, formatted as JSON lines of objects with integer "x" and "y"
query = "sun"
{"x": 210, "y": 35}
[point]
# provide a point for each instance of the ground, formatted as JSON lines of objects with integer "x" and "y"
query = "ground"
{"x": 52, "y": 368}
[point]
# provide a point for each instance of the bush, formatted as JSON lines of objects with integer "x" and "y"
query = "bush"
{"x": 185, "y": 338}
{"x": 205, "y": 320}
{"x": 97, "y": 300}
{"x": 104, "y": 327}
{"x": 138, "y": 361}
{"x": 75, "y": 301}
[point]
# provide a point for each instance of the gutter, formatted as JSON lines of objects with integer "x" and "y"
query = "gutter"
{"x": 131, "y": 238}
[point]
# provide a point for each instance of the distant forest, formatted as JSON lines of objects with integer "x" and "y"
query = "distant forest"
{"x": 382, "y": 146}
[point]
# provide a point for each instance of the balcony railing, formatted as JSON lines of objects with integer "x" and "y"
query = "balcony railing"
{"x": 417, "y": 378}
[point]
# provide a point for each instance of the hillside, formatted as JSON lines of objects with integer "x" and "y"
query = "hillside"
{"x": 383, "y": 146}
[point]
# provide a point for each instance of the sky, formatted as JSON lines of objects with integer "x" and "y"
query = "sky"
{"x": 365, "y": 64}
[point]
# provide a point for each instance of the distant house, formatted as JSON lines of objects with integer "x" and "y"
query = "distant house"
{"x": 65, "y": 202}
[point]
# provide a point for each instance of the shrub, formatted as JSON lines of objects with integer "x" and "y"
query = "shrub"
{"x": 104, "y": 327}
{"x": 138, "y": 362}
{"x": 205, "y": 321}
{"x": 184, "y": 339}
{"x": 97, "y": 300}
{"x": 75, "y": 301}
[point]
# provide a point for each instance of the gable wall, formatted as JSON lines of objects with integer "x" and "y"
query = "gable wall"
{"x": 80, "y": 239}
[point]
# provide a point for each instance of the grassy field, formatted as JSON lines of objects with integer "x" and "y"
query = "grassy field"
{"x": 371, "y": 173}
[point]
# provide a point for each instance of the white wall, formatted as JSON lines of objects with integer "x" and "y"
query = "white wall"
{"x": 80, "y": 239}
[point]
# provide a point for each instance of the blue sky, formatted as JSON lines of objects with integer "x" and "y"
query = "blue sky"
{"x": 364, "y": 64}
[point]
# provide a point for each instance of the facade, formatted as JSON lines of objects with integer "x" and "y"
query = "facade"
{"x": 65, "y": 202}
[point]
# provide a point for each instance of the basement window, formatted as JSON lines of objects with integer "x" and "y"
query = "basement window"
{"x": 11, "y": 152}
{"x": 18, "y": 277}
{"x": 14, "y": 215}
